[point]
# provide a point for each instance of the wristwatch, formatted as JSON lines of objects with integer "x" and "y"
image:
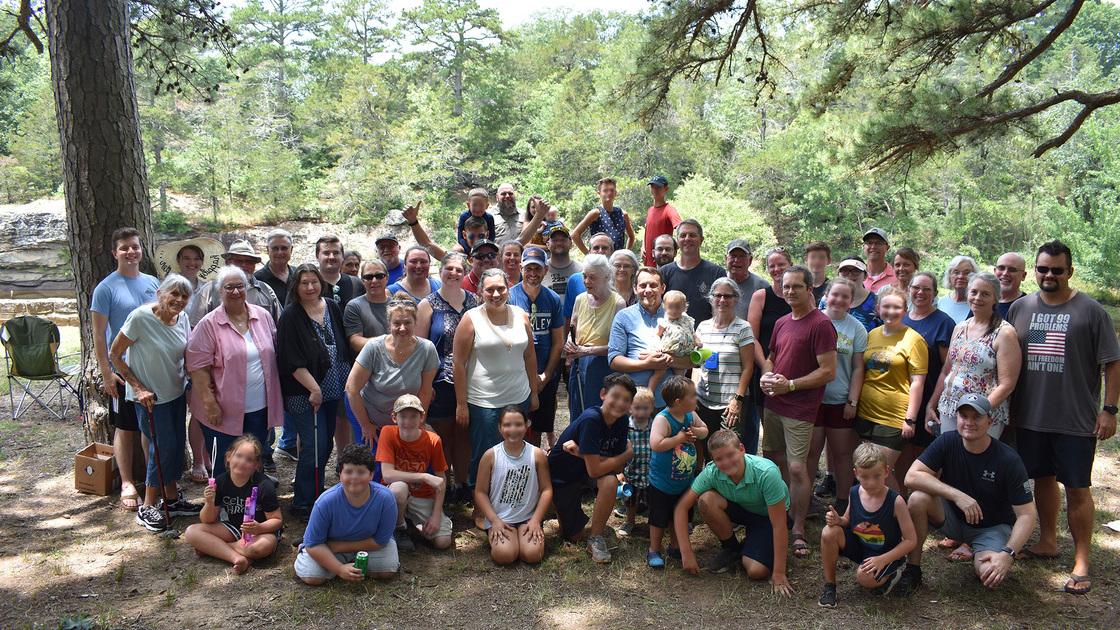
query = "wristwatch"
{"x": 1112, "y": 409}
{"x": 792, "y": 386}
{"x": 1008, "y": 550}
{"x": 741, "y": 398}
{"x": 853, "y": 403}
{"x": 911, "y": 421}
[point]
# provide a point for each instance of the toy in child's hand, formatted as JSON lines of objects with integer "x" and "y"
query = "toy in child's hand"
{"x": 213, "y": 461}
{"x": 250, "y": 516}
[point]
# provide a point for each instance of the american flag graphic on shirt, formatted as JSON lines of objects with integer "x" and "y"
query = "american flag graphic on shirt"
{"x": 1046, "y": 342}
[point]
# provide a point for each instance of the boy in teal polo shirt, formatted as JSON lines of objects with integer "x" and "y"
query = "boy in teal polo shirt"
{"x": 739, "y": 489}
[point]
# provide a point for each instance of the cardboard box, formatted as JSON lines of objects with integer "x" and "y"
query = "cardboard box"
{"x": 95, "y": 470}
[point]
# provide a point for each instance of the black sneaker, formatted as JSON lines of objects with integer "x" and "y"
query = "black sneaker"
{"x": 286, "y": 454}
{"x": 727, "y": 560}
{"x": 182, "y": 507}
{"x": 151, "y": 518}
{"x": 269, "y": 464}
{"x": 273, "y": 478}
{"x": 892, "y": 580}
{"x": 827, "y": 487}
{"x": 909, "y": 581}
{"x": 816, "y": 508}
{"x": 828, "y": 596}
{"x": 404, "y": 541}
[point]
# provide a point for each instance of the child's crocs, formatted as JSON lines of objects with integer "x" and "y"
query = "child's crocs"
{"x": 654, "y": 559}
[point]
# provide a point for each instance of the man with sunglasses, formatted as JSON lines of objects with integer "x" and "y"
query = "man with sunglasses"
{"x": 1011, "y": 269}
{"x": 484, "y": 255}
{"x": 1066, "y": 339}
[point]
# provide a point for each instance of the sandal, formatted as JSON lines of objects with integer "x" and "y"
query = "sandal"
{"x": 1074, "y": 579}
{"x": 1034, "y": 555}
{"x": 948, "y": 543}
{"x": 964, "y": 552}
{"x": 800, "y": 546}
{"x": 199, "y": 475}
{"x": 130, "y": 500}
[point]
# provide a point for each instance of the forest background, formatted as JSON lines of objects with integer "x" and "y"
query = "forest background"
{"x": 345, "y": 110}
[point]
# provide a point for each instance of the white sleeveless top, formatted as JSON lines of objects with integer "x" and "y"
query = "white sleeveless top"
{"x": 496, "y": 374}
{"x": 514, "y": 490}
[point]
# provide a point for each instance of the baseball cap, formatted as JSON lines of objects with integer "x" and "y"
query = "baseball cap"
{"x": 407, "y": 401}
{"x": 386, "y": 236}
{"x": 558, "y": 228}
{"x": 977, "y": 402}
{"x": 852, "y": 262}
{"x": 484, "y": 243}
{"x": 739, "y": 244}
{"x": 880, "y": 232}
{"x": 534, "y": 256}
{"x": 659, "y": 180}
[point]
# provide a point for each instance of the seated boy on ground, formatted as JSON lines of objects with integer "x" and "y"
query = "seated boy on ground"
{"x": 594, "y": 450}
{"x": 357, "y": 514}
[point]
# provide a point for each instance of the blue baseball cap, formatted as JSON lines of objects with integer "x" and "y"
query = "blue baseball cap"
{"x": 534, "y": 256}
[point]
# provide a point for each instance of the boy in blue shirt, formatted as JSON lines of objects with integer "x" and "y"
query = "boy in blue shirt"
{"x": 357, "y": 514}
{"x": 478, "y": 200}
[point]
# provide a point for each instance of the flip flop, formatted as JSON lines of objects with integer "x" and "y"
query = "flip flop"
{"x": 132, "y": 497}
{"x": 199, "y": 475}
{"x": 1027, "y": 553}
{"x": 964, "y": 552}
{"x": 948, "y": 543}
{"x": 1074, "y": 579}
{"x": 800, "y": 546}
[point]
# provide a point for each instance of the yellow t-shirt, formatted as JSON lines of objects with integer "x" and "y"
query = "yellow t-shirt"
{"x": 889, "y": 362}
{"x": 593, "y": 325}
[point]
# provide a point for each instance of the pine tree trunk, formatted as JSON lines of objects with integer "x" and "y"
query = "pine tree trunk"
{"x": 102, "y": 157}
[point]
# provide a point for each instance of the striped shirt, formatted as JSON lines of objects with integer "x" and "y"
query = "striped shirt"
{"x": 718, "y": 387}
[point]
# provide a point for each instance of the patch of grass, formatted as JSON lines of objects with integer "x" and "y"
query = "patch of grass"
{"x": 117, "y": 573}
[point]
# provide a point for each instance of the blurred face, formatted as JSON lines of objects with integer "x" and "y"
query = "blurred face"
{"x": 873, "y": 479}
{"x": 512, "y": 427}
{"x": 559, "y": 244}
{"x": 776, "y": 265}
{"x": 971, "y": 424}
{"x": 729, "y": 460}
{"x": 452, "y": 272}
{"x": 243, "y": 462}
{"x": 641, "y": 409}
{"x": 495, "y": 292}
{"x": 233, "y": 291}
{"x": 664, "y": 250}
{"x": 374, "y": 280}
{"x": 355, "y": 479}
{"x": 511, "y": 259}
{"x": 624, "y": 271}
{"x": 891, "y": 309}
{"x": 795, "y": 290}
{"x": 389, "y": 251}
{"x": 401, "y": 324}
{"x": 981, "y": 297}
{"x": 958, "y": 276}
{"x": 674, "y": 308}
{"x": 607, "y": 193}
{"x": 602, "y": 245}
{"x": 173, "y": 301}
{"x": 875, "y": 248}
{"x": 474, "y": 234}
{"x": 350, "y": 265}
{"x": 532, "y": 274}
{"x": 689, "y": 239}
{"x": 658, "y": 192}
{"x": 189, "y": 262}
{"x": 922, "y": 291}
{"x": 616, "y": 400}
{"x": 417, "y": 265}
{"x": 1011, "y": 271}
{"x": 817, "y": 260}
{"x": 279, "y": 251}
{"x": 686, "y": 403}
{"x": 485, "y": 258}
{"x": 408, "y": 419}
{"x": 128, "y": 252}
{"x": 839, "y": 298}
{"x": 649, "y": 290}
{"x": 309, "y": 287}
{"x": 478, "y": 205}
{"x": 1052, "y": 273}
{"x": 904, "y": 268}
{"x": 738, "y": 264}
{"x": 330, "y": 258}
{"x": 723, "y": 300}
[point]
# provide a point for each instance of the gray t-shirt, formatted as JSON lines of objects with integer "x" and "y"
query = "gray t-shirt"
{"x": 851, "y": 337}
{"x": 557, "y": 279}
{"x": 747, "y": 289}
{"x": 157, "y": 353}
{"x": 695, "y": 283}
{"x": 389, "y": 380}
{"x": 369, "y": 319}
{"x": 1064, "y": 347}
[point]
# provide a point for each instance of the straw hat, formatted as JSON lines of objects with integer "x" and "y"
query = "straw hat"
{"x": 212, "y": 251}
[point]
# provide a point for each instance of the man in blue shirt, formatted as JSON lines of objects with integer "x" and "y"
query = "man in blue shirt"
{"x": 633, "y": 344}
{"x": 546, "y": 315}
{"x": 389, "y": 251}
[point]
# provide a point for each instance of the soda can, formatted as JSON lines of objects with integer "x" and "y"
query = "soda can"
{"x": 361, "y": 561}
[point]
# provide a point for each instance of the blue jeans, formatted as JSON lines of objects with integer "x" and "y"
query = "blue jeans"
{"x": 288, "y": 437}
{"x": 358, "y": 435}
{"x": 483, "y": 432}
{"x": 587, "y": 383}
{"x": 255, "y": 423}
{"x": 170, "y": 420}
{"x": 306, "y": 424}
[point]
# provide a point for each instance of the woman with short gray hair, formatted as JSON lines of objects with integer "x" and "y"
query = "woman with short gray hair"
{"x": 725, "y": 376}
{"x": 958, "y": 272}
{"x": 624, "y": 267}
{"x": 592, "y": 317}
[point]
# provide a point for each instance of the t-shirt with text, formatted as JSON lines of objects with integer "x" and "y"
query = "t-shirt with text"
{"x": 996, "y": 478}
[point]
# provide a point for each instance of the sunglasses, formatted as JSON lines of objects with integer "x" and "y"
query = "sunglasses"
{"x": 1057, "y": 271}
{"x": 375, "y": 276}
{"x": 484, "y": 256}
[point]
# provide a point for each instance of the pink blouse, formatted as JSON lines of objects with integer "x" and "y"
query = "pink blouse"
{"x": 215, "y": 343}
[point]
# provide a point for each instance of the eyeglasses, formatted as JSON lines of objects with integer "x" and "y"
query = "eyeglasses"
{"x": 1057, "y": 271}
{"x": 780, "y": 249}
{"x": 375, "y": 276}
{"x": 794, "y": 287}
{"x": 337, "y": 293}
{"x": 484, "y": 256}
{"x": 917, "y": 289}
{"x": 401, "y": 303}
{"x": 875, "y": 243}
{"x": 850, "y": 271}
{"x": 234, "y": 288}
{"x": 622, "y": 266}
{"x": 723, "y": 296}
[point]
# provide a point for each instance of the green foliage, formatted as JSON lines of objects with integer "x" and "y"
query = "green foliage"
{"x": 77, "y": 622}
{"x": 169, "y": 221}
{"x": 724, "y": 217}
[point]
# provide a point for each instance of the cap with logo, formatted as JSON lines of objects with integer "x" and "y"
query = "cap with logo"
{"x": 659, "y": 180}
{"x": 534, "y": 256}
{"x": 977, "y": 402}
{"x": 484, "y": 243}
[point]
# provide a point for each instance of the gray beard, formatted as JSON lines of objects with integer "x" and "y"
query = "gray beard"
{"x": 507, "y": 208}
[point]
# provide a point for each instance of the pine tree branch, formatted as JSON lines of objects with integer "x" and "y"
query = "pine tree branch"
{"x": 1023, "y": 61}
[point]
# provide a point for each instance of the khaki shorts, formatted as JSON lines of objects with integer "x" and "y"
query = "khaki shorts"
{"x": 419, "y": 510}
{"x": 781, "y": 433}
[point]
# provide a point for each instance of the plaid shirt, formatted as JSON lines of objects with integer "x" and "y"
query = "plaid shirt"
{"x": 637, "y": 470}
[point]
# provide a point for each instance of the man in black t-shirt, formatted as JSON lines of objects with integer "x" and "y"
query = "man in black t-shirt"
{"x": 983, "y": 496}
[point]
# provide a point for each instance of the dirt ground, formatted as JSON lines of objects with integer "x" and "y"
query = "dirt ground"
{"x": 66, "y": 555}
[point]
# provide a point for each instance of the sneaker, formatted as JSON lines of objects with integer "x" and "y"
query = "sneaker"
{"x": 620, "y": 511}
{"x": 654, "y": 560}
{"x": 909, "y": 581}
{"x": 404, "y": 541}
{"x": 286, "y": 454}
{"x": 827, "y": 487}
{"x": 182, "y": 507}
{"x": 727, "y": 560}
{"x": 273, "y": 478}
{"x": 151, "y": 518}
{"x": 269, "y": 464}
{"x": 626, "y": 529}
{"x": 816, "y": 508}
{"x": 597, "y": 545}
{"x": 828, "y": 596}
{"x": 892, "y": 580}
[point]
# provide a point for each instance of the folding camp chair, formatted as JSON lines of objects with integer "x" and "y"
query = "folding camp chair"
{"x": 31, "y": 354}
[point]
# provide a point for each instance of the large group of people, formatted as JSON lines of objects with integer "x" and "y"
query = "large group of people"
{"x": 933, "y": 413}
